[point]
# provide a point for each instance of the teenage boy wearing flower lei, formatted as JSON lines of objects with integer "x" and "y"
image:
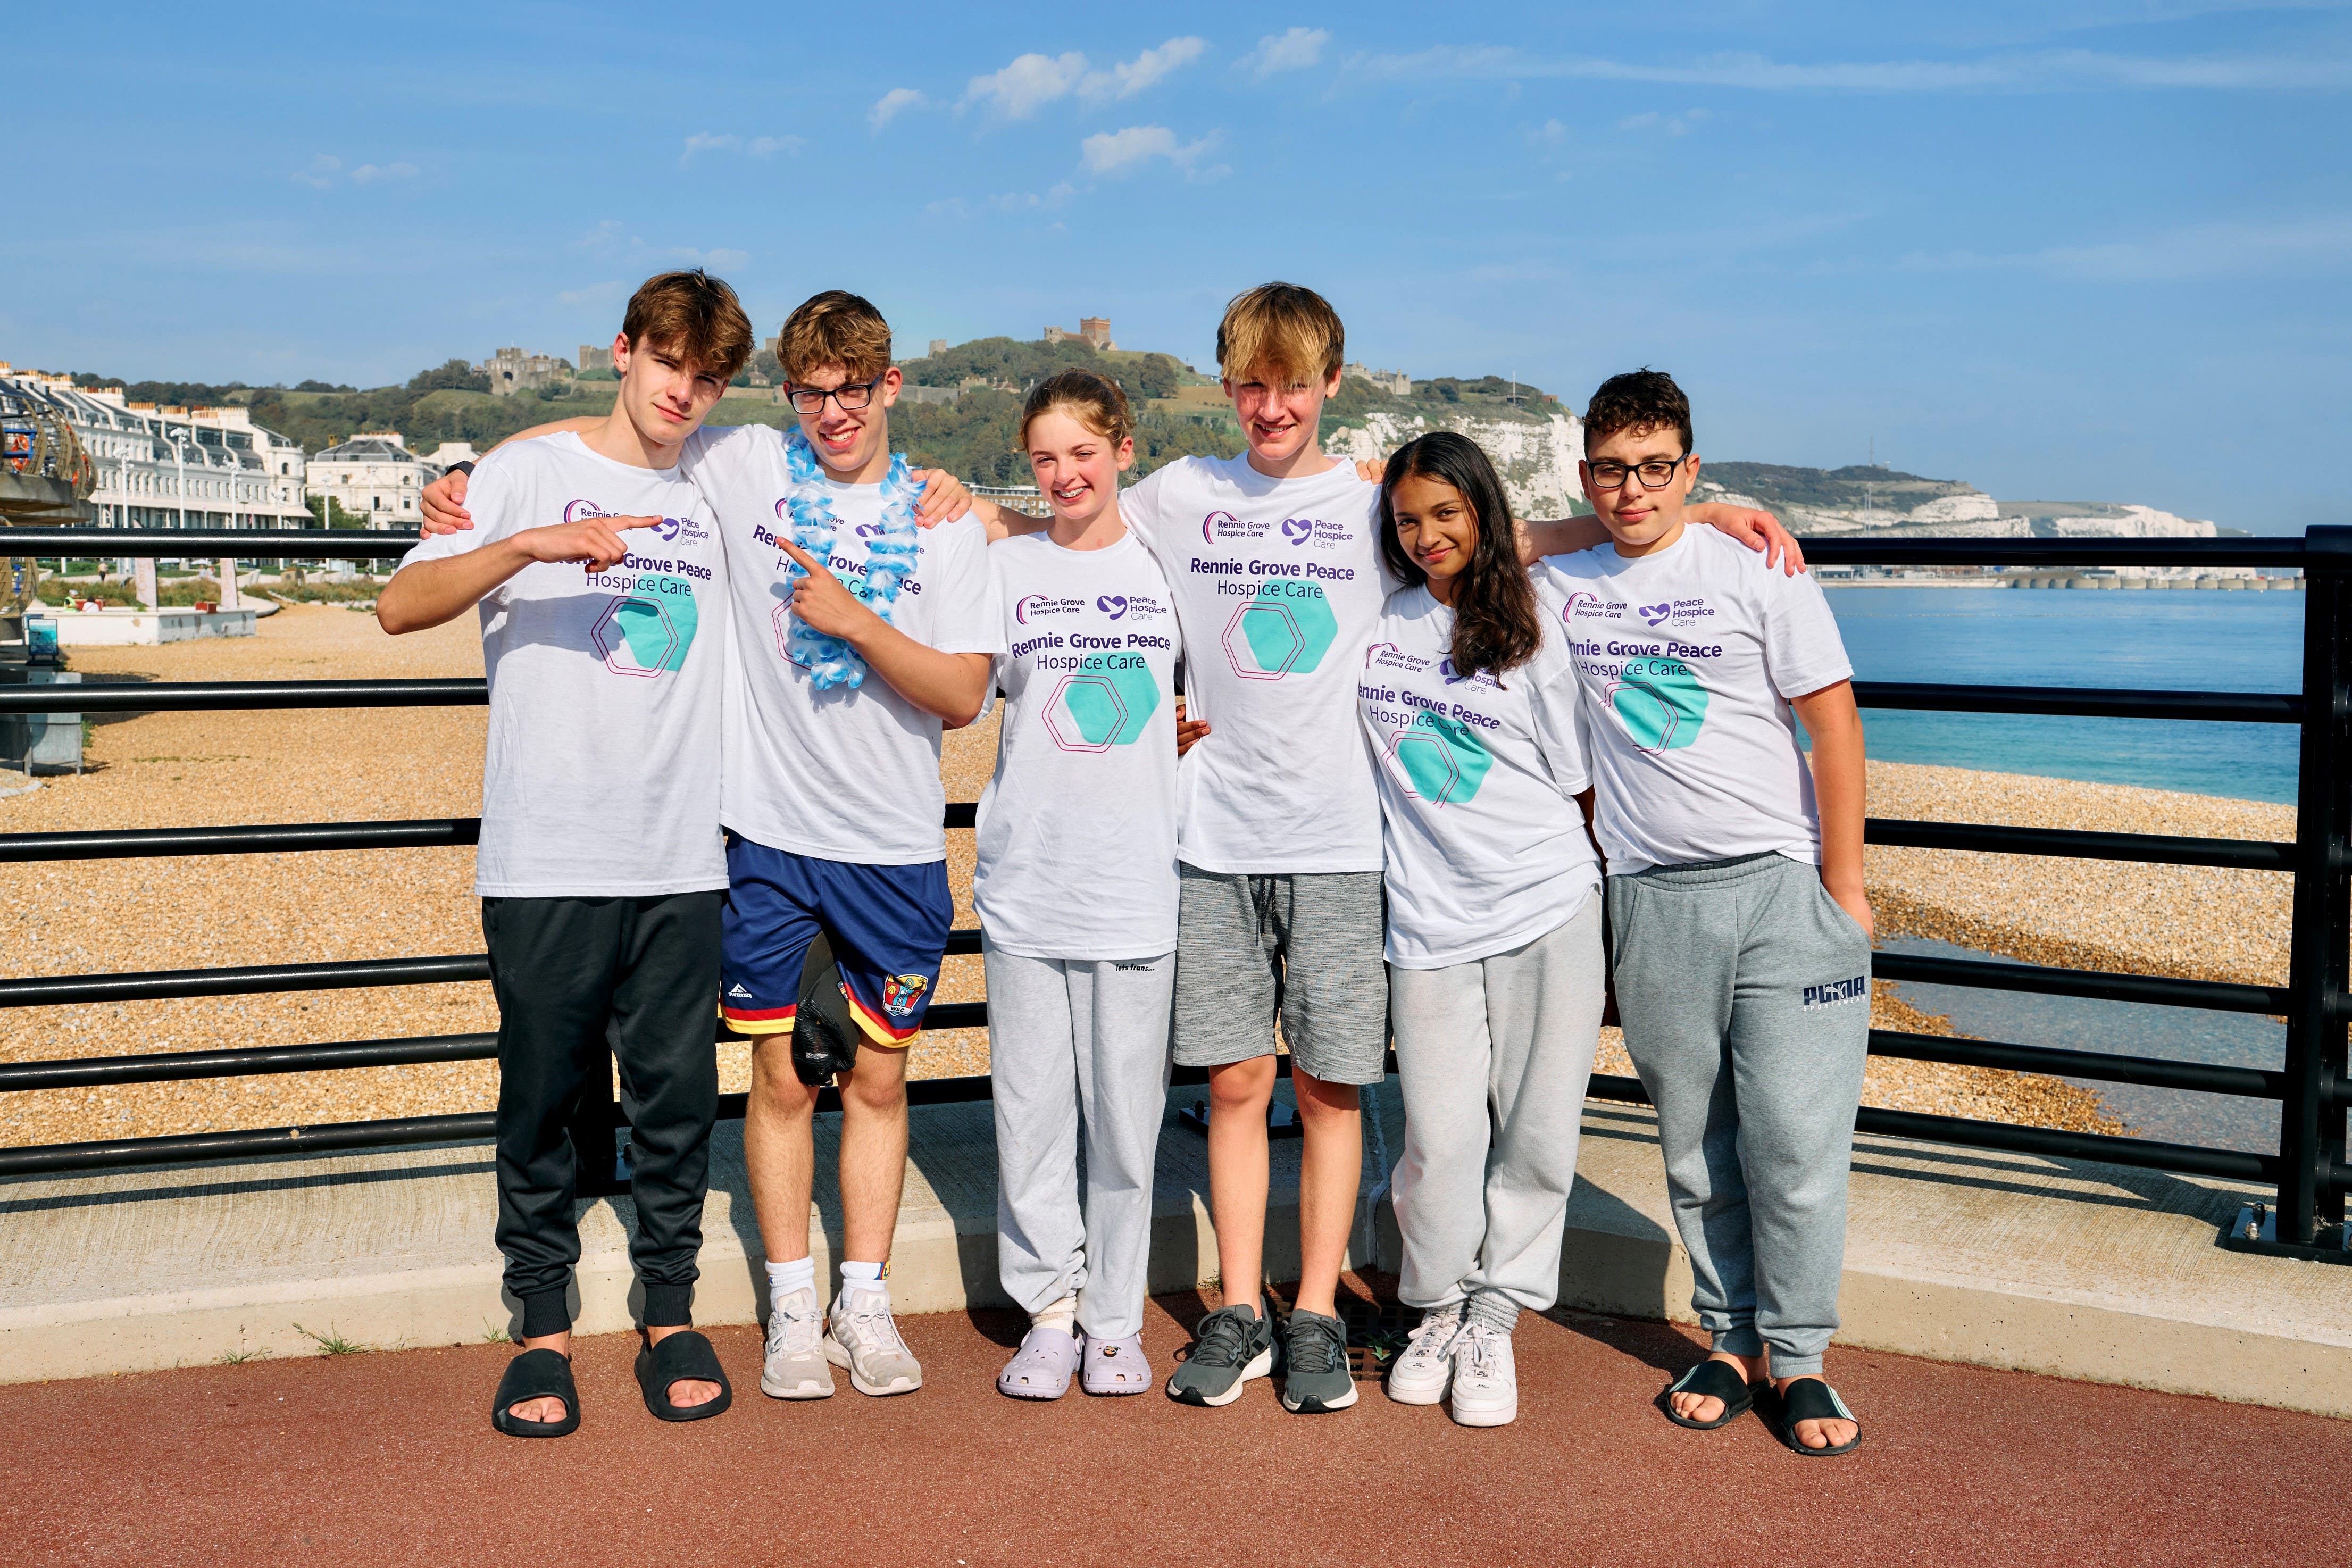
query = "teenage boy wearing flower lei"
{"x": 857, "y": 637}
{"x": 1279, "y": 831}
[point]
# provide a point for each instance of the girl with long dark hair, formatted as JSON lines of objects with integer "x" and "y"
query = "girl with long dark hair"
{"x": 1493, "y": 935}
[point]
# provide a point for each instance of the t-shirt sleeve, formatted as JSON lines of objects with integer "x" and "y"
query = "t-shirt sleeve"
{"x": 490, "y": 497}
{"x": 720, "y": 455}
{"x": 969, "y": 614}
{"x": 1554, "y": 701}
{"x": 1803, "y": 649}
{"x": 1143, "y": 507}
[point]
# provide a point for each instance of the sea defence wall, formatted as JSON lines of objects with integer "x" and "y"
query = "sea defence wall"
{"x": 2061, "y": 1267}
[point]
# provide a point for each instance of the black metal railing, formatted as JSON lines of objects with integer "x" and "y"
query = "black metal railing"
{"x": 2308, "y": 1169}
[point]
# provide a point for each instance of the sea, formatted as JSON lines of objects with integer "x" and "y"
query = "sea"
{"x": 2196, "y": 640}
{"x": 2192, "y": 640}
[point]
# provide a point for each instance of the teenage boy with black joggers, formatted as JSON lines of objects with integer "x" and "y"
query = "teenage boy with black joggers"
{"x": 600, "y": 870}
{"x": 1735, "y": 894}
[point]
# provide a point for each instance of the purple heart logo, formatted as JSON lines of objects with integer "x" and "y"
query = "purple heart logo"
{"x": 1445, "y": 669}
{"x": 1296, "y": 528}
{"x": 1656, "y": 614}
{"x": 1111, "y": 604}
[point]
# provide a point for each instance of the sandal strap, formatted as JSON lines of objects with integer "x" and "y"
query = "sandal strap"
{"x": 1812, "y": 1399}
{"x": 542, "y": 1374}
{"x": 1713, "y": 1379}
{"x": 687, "y": 1355}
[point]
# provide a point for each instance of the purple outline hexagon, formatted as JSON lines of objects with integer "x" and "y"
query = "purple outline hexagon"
{"x": 1423, "y": 737}
{"x": 669, "y": 628}
{"x": 1055, "y": 703}
{"x": 1298, "y": 640}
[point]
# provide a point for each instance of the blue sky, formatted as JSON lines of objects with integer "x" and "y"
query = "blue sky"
{"x": 2075, "y": 248}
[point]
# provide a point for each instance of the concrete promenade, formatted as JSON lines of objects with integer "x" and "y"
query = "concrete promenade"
{"x": 2010, "y": 1261}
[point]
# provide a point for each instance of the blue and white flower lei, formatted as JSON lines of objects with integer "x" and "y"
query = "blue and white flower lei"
{"x": 889, "y": 556}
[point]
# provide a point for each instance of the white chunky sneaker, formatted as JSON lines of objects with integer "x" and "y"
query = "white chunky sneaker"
{"x": 795, "y": 1367}
{"x": 1423, "y": 1369}
{"x": 1485, "y": 1378}
{"x": 862, "y": 1337}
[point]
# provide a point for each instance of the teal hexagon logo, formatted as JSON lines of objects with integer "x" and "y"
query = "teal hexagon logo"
{"x": 1287, "y": 625}
{"x": 1661, "y": 703}
{"x": 1098, "y": 708}
{"x": 1443, "y": 758}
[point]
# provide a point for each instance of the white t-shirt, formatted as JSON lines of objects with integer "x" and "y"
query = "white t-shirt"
{"x": 1277, "y": 583}
{"x": 601, "y": 775}
{"x": 1487, "y": 848}
{"x": 849, "y": 772}
{"x": 1687, "y": 658}
{"x": 1077, "y": 829}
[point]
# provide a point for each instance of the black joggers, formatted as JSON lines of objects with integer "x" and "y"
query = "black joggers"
{"x": 578, "y": 980}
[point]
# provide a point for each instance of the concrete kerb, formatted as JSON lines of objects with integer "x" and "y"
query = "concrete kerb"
{"x": 2067, "y": 1269}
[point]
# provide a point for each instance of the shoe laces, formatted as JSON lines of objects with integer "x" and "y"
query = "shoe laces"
{"x": 874, "y": 1328}
{"x": 1222, "y": 1338}
{"x": 1481, "y": 1351}
{"x": 790, "y": 1332}
{"x": 1436, "y": 1334}
{"x": 1317, "y": 1343}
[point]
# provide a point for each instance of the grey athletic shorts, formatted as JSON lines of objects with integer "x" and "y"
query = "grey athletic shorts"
{"x": 1303, "y": 948}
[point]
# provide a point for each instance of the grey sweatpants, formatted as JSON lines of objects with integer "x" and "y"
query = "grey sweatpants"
{"x": 1492, "y": 1058}
{"x": 1075, "y": 1041}
{"x": 1745, "y": 991}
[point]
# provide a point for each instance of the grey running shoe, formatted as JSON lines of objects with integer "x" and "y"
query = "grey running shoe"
{"x": 1486, "y": 1377}
{"x": 862, "y": 1337}
{"x": 795, "y": 1367}
{"x": 1316, "y": 1376}
{"x": 1421, "y": 1372}
{"x": 1232, "y": 1345}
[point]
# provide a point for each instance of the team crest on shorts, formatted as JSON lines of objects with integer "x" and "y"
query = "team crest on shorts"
{"x": 902, "y": 992}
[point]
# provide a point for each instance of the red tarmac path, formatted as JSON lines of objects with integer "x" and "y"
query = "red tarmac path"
{"x": 388, "y": 1457}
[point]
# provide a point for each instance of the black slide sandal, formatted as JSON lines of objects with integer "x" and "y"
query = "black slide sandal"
{"x": 681, "y": 1355}
{"x": 1710, "y": 1379}
{"x": 542, "y": 1374}
{"x": 1810, "y": 1399}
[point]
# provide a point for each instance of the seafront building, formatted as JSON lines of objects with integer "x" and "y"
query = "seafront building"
{"x": 374, "y": 476}
{"x": 170, "y": 467}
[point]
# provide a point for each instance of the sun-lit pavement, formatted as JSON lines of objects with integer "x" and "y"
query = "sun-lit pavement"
{"x": 388, "y": 1457}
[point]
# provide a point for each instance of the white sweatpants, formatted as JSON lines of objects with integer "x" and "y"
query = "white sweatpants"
{"x": 1076, "y": 1042}
{"x": 1494, "y": 1058}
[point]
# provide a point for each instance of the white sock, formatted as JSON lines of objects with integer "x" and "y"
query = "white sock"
{"x": 1063, "y": 1315}
{"x": 784, "y": 1278}
{"x": 863, "y": 1277}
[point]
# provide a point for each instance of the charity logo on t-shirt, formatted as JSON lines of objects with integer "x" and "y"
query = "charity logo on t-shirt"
{"x": 649, "y": 625}
{"x": 1104, "y": 689}
{"x": 1283, "y": 623}
{"x": 1434, "y": 743}
{"x": 1646, "y": 675}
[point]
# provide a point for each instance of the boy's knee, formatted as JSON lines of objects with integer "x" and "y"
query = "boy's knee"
{"x": 879, "y": 1085}
{"x": 1242, "y": 1086}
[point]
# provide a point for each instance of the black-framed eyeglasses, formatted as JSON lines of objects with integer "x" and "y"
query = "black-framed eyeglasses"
{"x": 1655, "y": 475}
{"x": 852, "y": 398}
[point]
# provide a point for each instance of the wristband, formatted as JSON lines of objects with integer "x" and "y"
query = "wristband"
{"x": 465, "y": 468}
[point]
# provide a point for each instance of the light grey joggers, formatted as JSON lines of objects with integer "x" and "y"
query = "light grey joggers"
{"x": 1072, "y": 1041}
{"x": 1492, "y": 1058}
{"x": 1745, "y": 991}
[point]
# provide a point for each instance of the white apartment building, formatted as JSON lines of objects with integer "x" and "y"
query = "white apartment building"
{"x": 175, "y": 467}
{"x": 375, "y": 475}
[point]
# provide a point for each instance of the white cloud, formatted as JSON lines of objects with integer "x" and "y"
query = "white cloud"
{"x": 1550, "y": 133}
{"x": 321, "y": 174}
{"x": 1672, "y": 124}
{"x": 1122, "y": 152}
{"x": 1052, "y": 200}
{"x": 1294, "y": 50}
{"x": 2317, "y": 245}
{"x": 2050, "y": 72}
{"x": 757, "y": 147}
{"x": 1130, "y": 78}
{"x": 1028, "y": 84}
{"x": 611, "y": 292}
{"x": 892, "y": 104}
{"x": 603, "y": 239}
{"x": 368, "y": 174}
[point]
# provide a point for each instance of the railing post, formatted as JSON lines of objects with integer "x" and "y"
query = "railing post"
{"x": 2311, "y": 1120}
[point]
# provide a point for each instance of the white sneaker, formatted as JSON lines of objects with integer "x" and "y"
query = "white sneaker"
{"x": 795, "y": 1367}
{"x": 1423, "y": 1369}
{"x": 1485, "y": 1378}
{"x": 862, "y": 1337}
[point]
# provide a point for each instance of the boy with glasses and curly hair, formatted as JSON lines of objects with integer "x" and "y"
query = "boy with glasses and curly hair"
{"x": 1735, "y": 897}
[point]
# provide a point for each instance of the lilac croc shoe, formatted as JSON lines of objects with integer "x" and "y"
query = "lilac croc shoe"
{"x": 1041, "y": 1368}
{"x": 1113, "y": 1367}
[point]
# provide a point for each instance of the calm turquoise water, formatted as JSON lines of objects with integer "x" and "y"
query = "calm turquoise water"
{"x": 2205, "y": 641}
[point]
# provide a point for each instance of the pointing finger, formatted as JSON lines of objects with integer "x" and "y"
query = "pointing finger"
{"x": 808, "y": 563}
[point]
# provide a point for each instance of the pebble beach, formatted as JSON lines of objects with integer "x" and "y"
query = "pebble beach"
{"x": 196, "y": 769}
